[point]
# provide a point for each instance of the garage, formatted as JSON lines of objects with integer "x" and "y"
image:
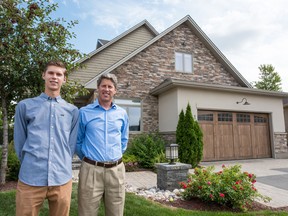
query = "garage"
{"x": 234, "y": 135}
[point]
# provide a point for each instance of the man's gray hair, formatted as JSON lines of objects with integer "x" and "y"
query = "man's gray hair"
{"x": 111, "y": 77}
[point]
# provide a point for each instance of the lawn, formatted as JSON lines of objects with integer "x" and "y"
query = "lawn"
{"x": 134, "y": 206}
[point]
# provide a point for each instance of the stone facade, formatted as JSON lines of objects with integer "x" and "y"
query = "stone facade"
{"x": 153, "y": 65}
{"x": 169, "y": 175}
{"x": 280, "y": 145}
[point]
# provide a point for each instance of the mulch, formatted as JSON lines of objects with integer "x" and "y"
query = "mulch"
{"x": 199, "y": 205}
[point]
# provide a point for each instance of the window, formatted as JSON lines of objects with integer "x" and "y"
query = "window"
{"x": 183, "y": 62}
{"x": 225, "y": 117}
{"x": 243, "y": 117}
{"x": 133, "y": 109}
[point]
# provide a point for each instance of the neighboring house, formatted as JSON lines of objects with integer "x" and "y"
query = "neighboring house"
{"x": 159, "y": 74}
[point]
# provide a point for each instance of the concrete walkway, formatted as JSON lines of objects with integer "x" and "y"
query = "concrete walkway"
{"x": 271, "y": 176}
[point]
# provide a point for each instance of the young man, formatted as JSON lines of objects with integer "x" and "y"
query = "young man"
{"x": 45, "y": 134}
{"x": 102, "y": 139}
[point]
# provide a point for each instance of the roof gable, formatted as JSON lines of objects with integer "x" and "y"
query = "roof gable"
{"x": 203, "y": 38}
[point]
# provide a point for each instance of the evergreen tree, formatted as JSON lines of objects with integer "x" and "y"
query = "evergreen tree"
{"x": 269, "y": 79}
{"x": 180, "y": 131}
{"x": 189, "y": 137}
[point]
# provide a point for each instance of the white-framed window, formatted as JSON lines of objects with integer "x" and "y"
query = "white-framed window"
{"x": 183, "y": 62}
{"x": 133, "y": 109}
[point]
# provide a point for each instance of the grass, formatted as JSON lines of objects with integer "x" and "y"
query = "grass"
{"x": 134, "y": 206}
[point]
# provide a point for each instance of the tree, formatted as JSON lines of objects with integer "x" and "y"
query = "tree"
{"x": 29, "y": 39}
{"x": 269, "y": 79}
{"x": 180, "y": 131}
{"x": 189, "y": 137}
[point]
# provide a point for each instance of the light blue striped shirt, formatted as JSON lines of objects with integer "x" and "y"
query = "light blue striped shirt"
{"x": 45, "y": 134}
{"x": 103, "y": 134}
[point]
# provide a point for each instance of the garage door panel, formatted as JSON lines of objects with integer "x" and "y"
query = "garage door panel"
{"x": 208, "y": 140}
{"x": 244, "y": 141}
{"x": 262, "y": 144}
{"x": 224, "y": 141}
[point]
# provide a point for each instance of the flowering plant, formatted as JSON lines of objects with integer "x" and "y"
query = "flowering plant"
{"x": 229, "y": 187}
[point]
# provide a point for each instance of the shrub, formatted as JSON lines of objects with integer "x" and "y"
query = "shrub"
{"x": 130, "y": 162}
{"x": 148, "y": 149}
{"x": 229, "y": 187}
{"x": 189, "y": 137}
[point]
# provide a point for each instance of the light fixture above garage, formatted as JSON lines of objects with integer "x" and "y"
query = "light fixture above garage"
{"x": 244, "y": 101}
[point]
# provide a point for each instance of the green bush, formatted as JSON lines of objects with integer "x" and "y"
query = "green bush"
{"x": 229, "y": 187}
{"x": 148, "y": 149}
{"x": 189, "y": 137}
{"x": 13, "y": 164}
{"x": 130, "y": 162}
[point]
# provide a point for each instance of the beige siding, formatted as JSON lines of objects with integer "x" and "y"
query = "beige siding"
{"x": 112, "y": 54}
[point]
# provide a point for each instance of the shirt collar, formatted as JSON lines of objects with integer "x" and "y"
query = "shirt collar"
{"x": 46, "y": 97}
{"x": 96, "y": 104}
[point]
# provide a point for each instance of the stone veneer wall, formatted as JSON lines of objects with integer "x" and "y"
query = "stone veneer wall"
{"x": 280, "y": 145}
{"x": 153, "y": 65}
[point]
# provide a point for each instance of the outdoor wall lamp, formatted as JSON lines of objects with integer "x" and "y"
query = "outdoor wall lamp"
{"x": 243, "y": 100}
{"x": 171, "y": 152}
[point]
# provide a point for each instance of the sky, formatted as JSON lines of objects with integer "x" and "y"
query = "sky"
{"x": 249, "y": 33}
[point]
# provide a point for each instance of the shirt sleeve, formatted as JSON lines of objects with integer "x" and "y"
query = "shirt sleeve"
{"x": 20, "y": 129}
{"x": 74, "y": 130}
{"x": 80, "y": 137}
{"x": 125, "y": 133}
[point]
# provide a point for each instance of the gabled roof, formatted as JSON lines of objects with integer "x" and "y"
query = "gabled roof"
{"x": 101, "y": 42}
{"x": 144, "y": 22}
{"x": 200, "y": 34}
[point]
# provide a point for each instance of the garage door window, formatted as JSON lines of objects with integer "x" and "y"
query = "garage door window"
{"x": 243, "y": 117}
{"x": 205, "y": 117}
{"x": 225, "y": 117}
{"x": 260, "y": 119}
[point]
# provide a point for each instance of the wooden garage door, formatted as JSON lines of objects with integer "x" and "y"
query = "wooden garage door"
{"x": 232, "y": 135}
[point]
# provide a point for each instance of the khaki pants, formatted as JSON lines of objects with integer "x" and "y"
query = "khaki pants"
{"x": 29, "y": 199}
{"x": 96, "y": 183}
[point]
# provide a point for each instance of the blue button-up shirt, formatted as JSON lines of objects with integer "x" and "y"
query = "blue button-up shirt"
{"x": 45, "y": 134}
{"x": 103, "y": 134}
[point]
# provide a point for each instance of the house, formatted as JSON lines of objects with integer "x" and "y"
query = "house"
{"x": 159, "y": 74}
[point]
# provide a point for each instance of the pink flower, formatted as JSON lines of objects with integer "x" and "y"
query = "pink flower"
{"x": 223, "y": 166}
{"x": 250, "y": 175}
{"x": 211, "y": 196}
{"x": 209, "y": 183}
{"x": 253, "y": 181}
{"x": 220, "y": 172}
{"x": 221, "y": 195}
{"x": 183, "y": 185}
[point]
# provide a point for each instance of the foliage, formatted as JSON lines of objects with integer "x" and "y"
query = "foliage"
{"x": 229, "y": 187}
{"x": 180, "y": 131}
{"x": 269, "y": 79}
{"x": 130, "y": 162}
{"x": 148, "y": 149}
{"x": 13, "y": 164}
{"x": 29, "y": 39}
{"x": 189, "y": 137}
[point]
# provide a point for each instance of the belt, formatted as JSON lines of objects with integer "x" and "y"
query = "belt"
{"x": 102, "y": 164}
